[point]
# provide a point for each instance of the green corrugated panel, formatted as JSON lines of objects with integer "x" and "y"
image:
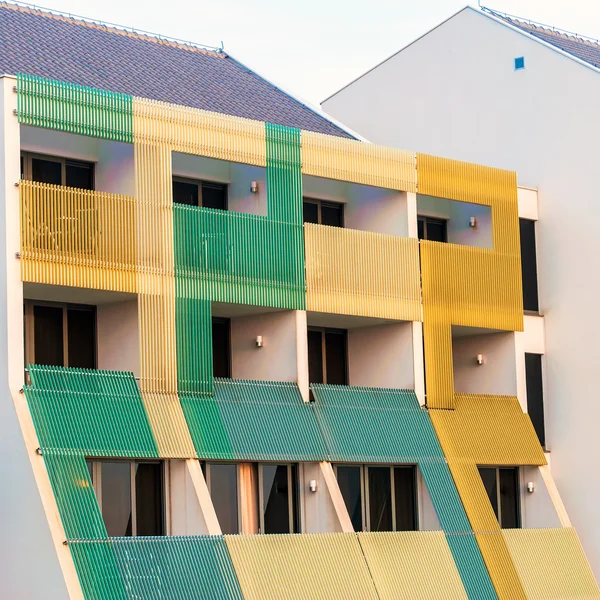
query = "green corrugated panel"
{"x": 206, "y": 426}
{"x": 239, "y": 258}
{"x": 284, "y": 173}
{"x": 74, "y": 108}
{"x": 75, "y": 496}
{"x": 470, "y": 565}
{"x": 99, "y": 413}
{"x": 176, "y": 568}
{"x": 268, "y": 420}
{"x": 97, "y": 569}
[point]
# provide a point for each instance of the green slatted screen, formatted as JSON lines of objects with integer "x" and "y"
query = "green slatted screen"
{"x": 99, "y": 413}
{"x": 177, "y": 568}
{"x": 378, "y": 425}
{"x": 74, "y": 108}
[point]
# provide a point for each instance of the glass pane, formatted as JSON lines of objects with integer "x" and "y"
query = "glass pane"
{"x": 488, "y": 476}
{"x": 214, "y": 195}
{"x": 404, "y": 498}
{"x": 436, "y": 230}
{"x": 336, "y": 358}
{"x": 81, "y": 327}
{"x": 48, "y": 335}
{"x": 310, "y": 212}
{"x": 295, "y": 499}
{"x": 79, "y": 175}
{"x": 90, "y": 466}
{"x": 149, "y": 498}
{"x": 332, "y": 214}
{"x": 46, "y": 171}
{"x": 276, "y": 499}
{"x": 315, "y": 356}
{"x": 185, "y": 193}
{"x": 349, "y": 481}
{"x": 380, "y": 498}
{"x": 529, "y": 265}
{"x": 535, "y": 394}
{"x": 509, "y": 498}
{"x": 221, "y": 348}
{"x": 421, "y": 229}
{"x": 223, "y": 491}
{"x": 116, "y": 497}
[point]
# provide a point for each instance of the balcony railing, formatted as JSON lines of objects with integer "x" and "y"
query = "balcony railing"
{"x": 362, "y": 273}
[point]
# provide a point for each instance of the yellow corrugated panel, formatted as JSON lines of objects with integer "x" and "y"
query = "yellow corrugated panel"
{"x": 500, "y": 566}
{"x": 199, "y": 132}
{"x": 78, "y": 238}
{"x": 412, "y": 565}
{"x": 325, "y": 566}
{"x": 551, "y": 564}
{"x": 489, "y": 430}
{"x": 362, "y": 273}
{"x": 358, "y": 162}
{"x": 476, "y": 287}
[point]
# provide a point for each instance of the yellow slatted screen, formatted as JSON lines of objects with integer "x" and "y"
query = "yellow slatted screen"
{"x": 358, "y": 162}
{"x": 361, "y": 273}
{"x": 551, "y": 564}
{"x": 327, "y": 566}
{"x": 78, "y": 238}
{"x": 156, "y": 301}
{"x": 200, "y": 132}
{"x": 462, "y": 285}
{"x": 412, "y": 565}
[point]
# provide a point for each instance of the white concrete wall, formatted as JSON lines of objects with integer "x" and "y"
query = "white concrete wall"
{"x": 537, "y": 508}
{"x": 276, "y": 360}
{"x": 381, "y": 356}
{"x": 118, "y": 337}
{"x": 542, "y": 121}
{"x": 458, "y": 215}
{"x": 497, "y": 374}
{"x": 428, "y": 519}
{"x": 237, "y": 175}
{"x": 366, "y": 208}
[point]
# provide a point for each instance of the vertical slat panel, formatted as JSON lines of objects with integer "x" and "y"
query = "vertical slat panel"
{"x": 362, "y": 273}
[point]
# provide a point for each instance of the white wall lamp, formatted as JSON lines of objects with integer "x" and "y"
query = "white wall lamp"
{"x": 312, "y": 485}
{"x": 530, "y": 487}
{"x": 254, "y": 187}
{"x": 480, "y": 359}
{"x": 259, "y": 341}
{"x": 472, "y": 222}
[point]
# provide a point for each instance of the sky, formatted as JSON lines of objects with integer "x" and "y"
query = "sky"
{"x": 312, "y": 48}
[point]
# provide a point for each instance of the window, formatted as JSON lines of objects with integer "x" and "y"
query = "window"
{"x": 200, "y": 193}
{"x": 535, "y": 394}
{"x": 529, "y": 265}
{"x": 502, "y": 487}
{"x": 57, "y": 171}
{"x": 379, "y": 498}
{"x": 222, "y": 482}
{"x": 519, "y": 63}
{"x": 278, "y": 498}
{"x": 221, "y": 346}
{"x": 62, "y": 335}
{"x": 323, "y": 213}
{"x": 327, "y": 356}
{"x": 432, "y": 229}
{"x": 130, "y": 495}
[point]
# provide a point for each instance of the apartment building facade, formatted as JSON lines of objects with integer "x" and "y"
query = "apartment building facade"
{"x": 245, "y": 359}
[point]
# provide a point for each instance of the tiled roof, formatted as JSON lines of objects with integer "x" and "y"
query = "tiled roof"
{"x": 585, "y": 49}
{"x": 91, "y": 54}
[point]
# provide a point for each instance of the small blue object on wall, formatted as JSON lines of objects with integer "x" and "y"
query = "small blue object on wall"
{"x": 519, "y": 63}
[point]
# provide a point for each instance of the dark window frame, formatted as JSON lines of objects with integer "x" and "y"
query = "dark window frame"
{"x": 534, "y": 363}
{"x": 365, "y": 493}
{"x": 529, "y": 280}
{"x": 206, "y": 182}
{"x": 95, "y": 468}
{"x": 294, "y": 500}
{"x": 227, "y": 322}
{"x": 327, "y": 203}
{"x": 27, "y": 168}
{"x": 337, "y": 331}
{"x": 517, "y": 476}
{"x": 438, "y": 221}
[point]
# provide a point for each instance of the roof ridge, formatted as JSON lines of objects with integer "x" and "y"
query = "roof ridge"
{"x": 113, "y": 28}
{"x": 550, "y": 29}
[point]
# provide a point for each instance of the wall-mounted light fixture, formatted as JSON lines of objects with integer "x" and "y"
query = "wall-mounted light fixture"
{"x": 259, "y": 341}
{"x": 530, "y": 487}
{"x": 480, "y": 359}
{"x": 312, "y": 485}
{"x": 254, "y": 187}
{"x": 472, "y": 222}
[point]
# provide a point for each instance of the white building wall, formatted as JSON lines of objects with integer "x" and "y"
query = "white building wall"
{"x": 118, "y": 337}
{"x": 469, "y": 103}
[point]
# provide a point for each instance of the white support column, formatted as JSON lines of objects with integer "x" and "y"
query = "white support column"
{"x": 411, "y": 209}
{"x": 339, "y": 506}
{"x": 418, "y": 362}
{"x": 211, "y": 523}
{"x": 32, "y": 533}
{"x": 302, "y": 353}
